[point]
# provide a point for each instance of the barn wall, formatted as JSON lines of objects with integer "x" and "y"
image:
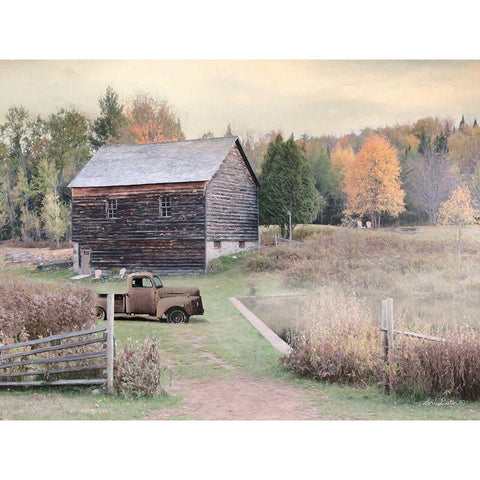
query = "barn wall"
{"x": 139, "y": 238}
{"x": 232, "y": 202}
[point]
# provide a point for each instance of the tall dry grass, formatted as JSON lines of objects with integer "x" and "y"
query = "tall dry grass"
{"x": 139, "y": 370}
{"x": 339, "y": 342}
{"x": 375, "y": 261}
{"x": 449, "y": 369}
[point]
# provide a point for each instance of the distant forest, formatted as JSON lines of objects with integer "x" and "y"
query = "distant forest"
{"x": 40, "y": 156}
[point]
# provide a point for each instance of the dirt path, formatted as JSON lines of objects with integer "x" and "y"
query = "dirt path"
{"x": 240, "y": 397}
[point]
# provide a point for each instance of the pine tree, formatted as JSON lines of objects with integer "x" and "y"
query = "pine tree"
{"x": 109, "y": 123}
{"x": 475, "y": 124}
{"x": 424, "y": 143}
{"x": 462, "y": 122}
{"x": 287, "y": 184}
{"x": 440, "y": 144}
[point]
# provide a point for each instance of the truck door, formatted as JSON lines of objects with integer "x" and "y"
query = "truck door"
{"x": 141, "y": 296}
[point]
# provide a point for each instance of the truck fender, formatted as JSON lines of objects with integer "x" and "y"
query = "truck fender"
{"x": 165, "y": 304}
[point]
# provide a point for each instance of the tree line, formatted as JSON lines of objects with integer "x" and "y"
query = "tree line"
{"x": 40, "y": 156}
{"x": 390, "y": 174}
{"x": 396, "y": 172}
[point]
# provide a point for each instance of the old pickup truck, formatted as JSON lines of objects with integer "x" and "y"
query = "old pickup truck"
{"x": 146, "y": 295}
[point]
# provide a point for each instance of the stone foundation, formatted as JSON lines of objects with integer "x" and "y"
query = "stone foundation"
{"x": 227, "y": 248}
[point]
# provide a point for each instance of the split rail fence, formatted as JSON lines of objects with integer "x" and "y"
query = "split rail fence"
{"x": 50, "y": 361}
{"x": 389, "y": 337}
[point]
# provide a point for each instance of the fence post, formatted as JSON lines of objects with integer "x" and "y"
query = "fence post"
{"x": 390, "y": 340}
{"x": 110, "y": 342}
{"x": 385, "y": 341}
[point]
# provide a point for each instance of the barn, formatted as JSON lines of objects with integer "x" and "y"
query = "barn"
{"x": 166, "y": 207}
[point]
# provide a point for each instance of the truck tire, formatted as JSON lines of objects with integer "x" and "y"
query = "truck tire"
{"x": 177, "y": 315}
{"x": 100, "y": 313}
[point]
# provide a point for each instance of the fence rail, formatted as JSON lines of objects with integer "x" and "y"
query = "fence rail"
{"x": 42, "y": 362}
{"x": 389, "y": 336}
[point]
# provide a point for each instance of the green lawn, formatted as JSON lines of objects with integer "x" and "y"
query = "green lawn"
{"x": 201, "y": 348}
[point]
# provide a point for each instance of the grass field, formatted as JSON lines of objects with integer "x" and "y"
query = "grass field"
{"x": 221, "y": 345}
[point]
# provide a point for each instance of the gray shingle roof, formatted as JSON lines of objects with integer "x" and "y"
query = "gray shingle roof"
{"x": 172, "y": 162}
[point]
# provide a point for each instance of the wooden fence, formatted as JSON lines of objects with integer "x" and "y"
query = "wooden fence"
{"x": 389, "y": 336}
{"x": 46, "y": 360}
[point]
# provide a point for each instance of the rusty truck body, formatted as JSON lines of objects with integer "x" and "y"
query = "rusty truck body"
{"x": 146, "y": 295}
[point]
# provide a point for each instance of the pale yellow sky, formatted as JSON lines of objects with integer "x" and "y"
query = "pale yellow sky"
{"x": 315, "y": 97}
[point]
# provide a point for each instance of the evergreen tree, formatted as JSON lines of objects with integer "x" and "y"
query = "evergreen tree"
{"x": 440, "y": 143}
{"x": 287, "y": 184}
{"x": 108, "y": 125}
{"x": 425, "y": 143}
{"x": 475, "y": 124}
{"x": 462, "y": 122}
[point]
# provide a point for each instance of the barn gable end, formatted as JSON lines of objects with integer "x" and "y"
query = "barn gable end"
{"x": 232, "y": 206}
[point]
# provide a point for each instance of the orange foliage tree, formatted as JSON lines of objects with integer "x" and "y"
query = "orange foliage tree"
{"x": 458, "y": 211}
{"x": 342, "y": 158}
{"x": 372, "y": 182}
{"x": 150, "y": 120}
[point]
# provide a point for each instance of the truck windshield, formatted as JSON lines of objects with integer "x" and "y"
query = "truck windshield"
{"x": 158, "y": 282}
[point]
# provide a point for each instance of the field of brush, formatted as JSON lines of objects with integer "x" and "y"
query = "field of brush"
{"x": 420, "y": 271}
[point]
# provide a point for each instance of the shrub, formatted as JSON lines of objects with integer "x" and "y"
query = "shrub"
{"x": 428, "y": 369}
{"x": 138, "y": 370}
{"x": 340, "y": 342}
{"x": 30, "y": 310}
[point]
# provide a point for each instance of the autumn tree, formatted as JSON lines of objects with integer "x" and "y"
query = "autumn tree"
{"x": 342, "y": 158}
{"x": 431, "y": 180}
{"x": 373, "y": 181}
{"x": 458, "y": 211}
{"x": 286, "y": 184}
{"x": 108, "y": 125}
{"x": 150, "y": 120}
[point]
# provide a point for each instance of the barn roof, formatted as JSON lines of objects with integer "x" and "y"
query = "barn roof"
{"x": 170, "y": 162}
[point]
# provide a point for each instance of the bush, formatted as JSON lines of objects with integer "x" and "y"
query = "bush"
{"x": 428, "y": 369}
{"x": 138, "y": 370}
{"x": 31, "y": 310}
{"x": 340, "y": 343}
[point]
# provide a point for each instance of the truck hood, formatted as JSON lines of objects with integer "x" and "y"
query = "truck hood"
{"x": 173, "y": 291}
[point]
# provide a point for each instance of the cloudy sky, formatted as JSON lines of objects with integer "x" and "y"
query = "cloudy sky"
{"x": 300, "y": 96}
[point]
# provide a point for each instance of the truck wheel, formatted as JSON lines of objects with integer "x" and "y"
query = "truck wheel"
{"x": 177, "y": 315}
{"x": 100, "y": 314}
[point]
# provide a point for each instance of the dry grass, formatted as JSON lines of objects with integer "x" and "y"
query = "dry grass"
{"x": 431, "y": 369}
{"x": 342, "y": 344}
{"x": 139, "y": 371}
{"x": 375, "y": 260}
{"x": 339, "y": 343}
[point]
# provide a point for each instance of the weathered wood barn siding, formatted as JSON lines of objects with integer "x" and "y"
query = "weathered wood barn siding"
{"x": 213, "y": 211}
{"x": 139, "y": 238}
{"x": 232, "y": 201}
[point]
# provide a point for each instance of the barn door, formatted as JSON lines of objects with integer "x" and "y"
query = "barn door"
{"x": 85, "y": 261}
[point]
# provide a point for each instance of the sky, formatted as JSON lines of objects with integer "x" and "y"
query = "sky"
{"x": 296, "y": 96}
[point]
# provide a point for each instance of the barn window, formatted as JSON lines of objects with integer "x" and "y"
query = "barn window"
{"x": 217, "y": 244}
{"x": 111, "y": 208}
{"x": 165, "y": 206}
{"x": 241, "y": 244}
